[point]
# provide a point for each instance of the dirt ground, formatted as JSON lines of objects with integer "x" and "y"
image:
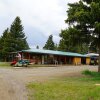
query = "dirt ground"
{"x": 14, "y": 80}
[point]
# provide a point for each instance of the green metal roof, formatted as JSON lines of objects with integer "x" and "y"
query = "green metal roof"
{"x": 42, "y": 51}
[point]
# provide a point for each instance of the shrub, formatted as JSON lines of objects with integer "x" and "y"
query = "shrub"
{"x": 87, "y": 72}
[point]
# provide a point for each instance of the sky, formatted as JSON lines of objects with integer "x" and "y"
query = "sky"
{"x": 40, "y": 18}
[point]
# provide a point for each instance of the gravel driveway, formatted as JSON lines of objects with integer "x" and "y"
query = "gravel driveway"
{"x": 13, "y": 80}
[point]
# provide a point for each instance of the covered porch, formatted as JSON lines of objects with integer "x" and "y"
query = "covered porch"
{"x": 47, "y": 58}
{"x": 38, "y": 56}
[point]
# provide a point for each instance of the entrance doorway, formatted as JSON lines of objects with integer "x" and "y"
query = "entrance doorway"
{"x": 83, "y": 60}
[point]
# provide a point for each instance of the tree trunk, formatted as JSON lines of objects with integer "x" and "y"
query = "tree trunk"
{"x": 99, "y": 57}
{"x": 5, "y": 59}
{"x": 99, "y": 62}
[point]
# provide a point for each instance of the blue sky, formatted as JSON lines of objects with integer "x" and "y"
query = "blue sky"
{"x": 40, "y": 18}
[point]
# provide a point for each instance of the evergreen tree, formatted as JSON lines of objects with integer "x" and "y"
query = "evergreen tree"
{"x": 85, "y": 16}
{"x": 13, "y": 40}
{"x": 56, "y": 47}
{"x": 18, "y": 35}
{"x": 49, "y": 44}
{"x": 73, "y": 41}
{"x": 37, "y": 47}
{"x": 3, "y": 37}
{"x": 62, "y": 46}
{"x": 6, "y": 44}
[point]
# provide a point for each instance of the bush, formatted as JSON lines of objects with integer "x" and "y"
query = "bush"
{"x": 94, "y": 75}
{"x": 87, "y": 72}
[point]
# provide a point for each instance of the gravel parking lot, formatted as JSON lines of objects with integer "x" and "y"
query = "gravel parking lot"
{"x": 13, "y": 80}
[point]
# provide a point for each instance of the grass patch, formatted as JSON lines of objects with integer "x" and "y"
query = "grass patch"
{"x": 93, "y": 75}
{"x": 70, "y": 88}
{"x": 87, "y": 72}
{"x": 4, "y": 64}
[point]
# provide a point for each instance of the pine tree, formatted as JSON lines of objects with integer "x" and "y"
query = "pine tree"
{"x": 84, "y": 15}
{"x": 6, "y": 42}
{"x": 13, "y": 40}
{"x": 37, "y": 47}
{"x": 50, "y": 45}
{"x": 18, "y": 35}
{"x": 73, "y": 41}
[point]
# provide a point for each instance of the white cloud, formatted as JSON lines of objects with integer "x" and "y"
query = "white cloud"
{"x": 56, "y": 38}
{"x": 42, "y": 17}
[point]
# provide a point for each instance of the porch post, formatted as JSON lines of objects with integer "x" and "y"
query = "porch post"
{"x": 42, "y": 59}
{"x": 29, "y": 56}
{"x": 65, "y": 59}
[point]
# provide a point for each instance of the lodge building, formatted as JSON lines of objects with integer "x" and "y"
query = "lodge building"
{"x": 40, "y": 56}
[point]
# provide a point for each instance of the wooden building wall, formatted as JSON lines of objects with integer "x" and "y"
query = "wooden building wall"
{"x": 77, "y": 61}
{"x": 88, "y": 61}
{"x": 52, "y": 59}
